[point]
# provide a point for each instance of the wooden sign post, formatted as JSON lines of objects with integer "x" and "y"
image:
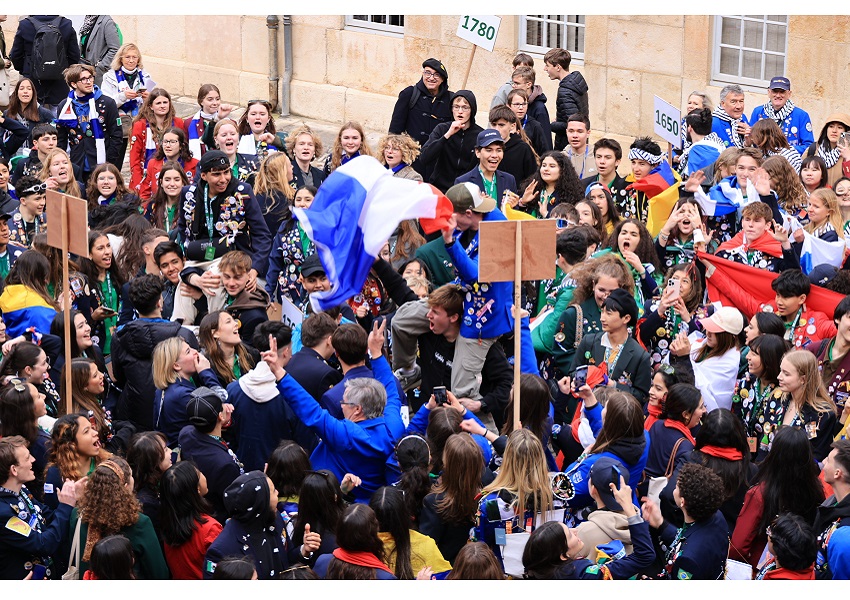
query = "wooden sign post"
{"x": 480, "y": 30}
{"x": 67, "y": 219}
{"x": 531, "y": 257}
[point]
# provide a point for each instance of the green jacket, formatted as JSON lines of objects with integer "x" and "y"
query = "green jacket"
{"x": 565, "y": 337}
{"x": 438, "y": 261}
{"x": 543, "y": 335}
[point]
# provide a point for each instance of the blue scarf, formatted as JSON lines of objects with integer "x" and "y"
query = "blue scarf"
{"x": 84, "y": 107}
{"x": 130, "y": 106}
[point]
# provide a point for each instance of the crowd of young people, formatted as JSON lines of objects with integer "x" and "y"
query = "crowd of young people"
{"x": 681, "y": 415}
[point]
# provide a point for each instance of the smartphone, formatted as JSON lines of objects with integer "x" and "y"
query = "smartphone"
{"x": 615, "y": 476}
{"x": 676, "y": 286}
{"x": 440, "y": 395}
{"x": 38, "y": 571}
{"x": 109, "y": 312}
{"x": 841, "y": 399}
{"x": 699, "y": 238}
{"x": 580, "y": 377}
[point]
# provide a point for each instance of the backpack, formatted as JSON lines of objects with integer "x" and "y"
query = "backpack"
{"x": 49, "y": 60}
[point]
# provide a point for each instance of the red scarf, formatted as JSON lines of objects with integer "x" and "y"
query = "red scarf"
{"x": 654, "y": 412}
{"x": 361, "y": 559}
{"x": 765, "y": 244}
{"x": 89, "y": 575}
{"x": 724, "y": 453}
{"x": 681, "y": 427}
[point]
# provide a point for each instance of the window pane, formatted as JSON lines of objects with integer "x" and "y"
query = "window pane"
{"x": 729, "y": 58}
{"x": 775, "y": 38}
{"x": 753, "y": 34}
{"x": 554, "y": 31}
{"x": 533, "y": 33}
{"x": 731, "y": 32}
{"x": 778, "y": 18}
{"x": 752, "y": 65}
{"x": 774, "y": 65}
{"x": 554, "y": 39}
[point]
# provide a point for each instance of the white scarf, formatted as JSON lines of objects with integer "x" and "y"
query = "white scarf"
{"x": 68, "y": 115}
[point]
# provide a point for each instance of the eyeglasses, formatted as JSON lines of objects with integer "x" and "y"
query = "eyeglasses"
{"x": 85, "y": 79}
{"x": 563, "y": 223}
{"x": 519, "y": 105}
{"x": 38, "y": 188}
{"x": 431, "y": 75}
{"x": 517, "y": 83}
{"x": 170, "y": 142}
{"x": 348, "y": 404}
{"x": 461, "y": 108}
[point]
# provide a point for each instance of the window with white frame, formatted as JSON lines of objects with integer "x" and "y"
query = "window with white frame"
{"x": 387, "y": 23}
{"x": 749, "y": 49}
{"x": 540, "y": 33}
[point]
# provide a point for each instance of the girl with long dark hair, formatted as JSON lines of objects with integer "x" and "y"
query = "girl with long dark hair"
{"x": 149, "y": 457}
{"x": 219, "y": 338}
{"x": 173, "y": 148}
{"x": 29, "y": 363}
{"x": 601, "y": 196}
{"x": 25, "y": 109}
{"x": 554, "y": 182}
{"x": 414, "y": 459}
{"x": 75, "y": 451}
{"x": 106, "y": 187}
{"x": 257, "y": 130}
{"x": 287, "y": 466}
{"x": 672, "y": 435}
{"x": 360, "y": 553}
{"x": 632, "y": 243}
{"x": 161, "y": 211}
{"x": 25, "y": 302}
{"x": 320, "y": 506}
{"x": 21, "y": 406}
{"x": 105, "y": 279}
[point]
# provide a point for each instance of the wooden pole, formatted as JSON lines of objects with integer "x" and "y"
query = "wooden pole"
{"x": 670, "y": 154}
{"x": 65, "y": 302}
{"x": 468, "y": 67}
{"x": 517, "y": 321}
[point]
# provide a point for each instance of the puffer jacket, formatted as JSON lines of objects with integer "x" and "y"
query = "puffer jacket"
{"x": 572, "y": 98}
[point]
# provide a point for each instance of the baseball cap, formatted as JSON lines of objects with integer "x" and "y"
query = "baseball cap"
{"x": 607, "y": 470}
{"x": 468, "y": 196}
{"x": 203, "y": 408}
{"x": 311, "y": 266}
{"x": 213, "y": 159}
{"x": 487, "y": 137}
{"x": 5, "y": 216}
{"x": 780, "y": 83}
{"x": 820, "y": 275}
{"x": 725, "y": 318}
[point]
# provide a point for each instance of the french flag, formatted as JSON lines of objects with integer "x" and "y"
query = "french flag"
{"x": 816, "y": 251}
{"x": 355, "y": 212}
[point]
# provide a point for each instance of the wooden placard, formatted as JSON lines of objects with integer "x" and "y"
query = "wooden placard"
{"x": 76, "y": 222}
{"x": 497, "y": 250}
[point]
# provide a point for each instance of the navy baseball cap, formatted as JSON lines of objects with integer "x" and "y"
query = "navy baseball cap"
{"x": 487, "y": 137}
{"x": 780, "y": 83}
{"x": 605, "y": 471}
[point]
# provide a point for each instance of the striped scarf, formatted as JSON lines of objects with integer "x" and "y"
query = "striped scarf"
{"x": 131, "y": 107}
{"x": 780, "y": 116}
{"x": 829, "y": 155}
{"x": 733, "y": 123}
{"x": 789, "y": 154}
{"x": 196, "y": 132}
{"x": 69, "y": 118}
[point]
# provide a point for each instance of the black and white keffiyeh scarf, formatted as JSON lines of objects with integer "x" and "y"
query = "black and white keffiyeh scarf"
{"x": 736, "y": 138}
{"x": 780, "y": 116}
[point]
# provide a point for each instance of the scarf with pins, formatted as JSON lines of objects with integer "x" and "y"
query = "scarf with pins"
{"x": 69, "y": 116}
{"x": 734, "y": 135}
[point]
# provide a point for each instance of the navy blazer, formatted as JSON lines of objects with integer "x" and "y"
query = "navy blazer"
{"x": 504, "y": 181}
{"x": 298, "y": 178}
{"x": 311, "y": 371}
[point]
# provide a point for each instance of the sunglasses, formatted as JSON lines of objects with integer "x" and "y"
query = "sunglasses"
{"x": 666, "y": 369}
{"x": 38, "y": 188}
{"x": 17, "y": 384}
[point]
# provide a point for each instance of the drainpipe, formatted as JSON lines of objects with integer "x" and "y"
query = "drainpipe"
{"x": 272, "y": 22}
{"x": 287, "y": 64}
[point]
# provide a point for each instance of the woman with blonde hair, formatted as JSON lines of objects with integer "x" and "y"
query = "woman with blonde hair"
{"x": 226, "y": 136}
{"x": 724, "y": 166}
{"x": 303, "y": 145}
{"x": 785, "y": 181}
{"x": 805, "y": 405}
{"x": 350, "y": 143}
{"x": 127, "y": 83}
{"x": 520, "y": 493}
{"x": 397, "y": 151}
{"x": 825, "y": 220}
{"x": 109, "y": 507}
{"x": 58, "y": 173}
{"x": 273, "y": 189}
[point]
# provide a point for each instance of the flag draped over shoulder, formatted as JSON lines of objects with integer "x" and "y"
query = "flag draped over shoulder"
{"x": 23, "y": 308}
{"x": 661, "y": 186}
{"x": 356, "y": 210}
{"x": 757, "y": 283}
{"x": 816, "y": 251}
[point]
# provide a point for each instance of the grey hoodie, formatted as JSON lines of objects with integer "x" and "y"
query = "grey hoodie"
{"x": 601, "y": 527}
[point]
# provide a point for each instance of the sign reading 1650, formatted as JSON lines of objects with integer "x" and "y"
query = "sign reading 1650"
{"x": 666, "y": 122}
{"x": 480, "y": 30}
{"x": 667, "y": 119}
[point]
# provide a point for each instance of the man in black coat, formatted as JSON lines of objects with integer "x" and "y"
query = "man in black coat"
{"x": 308, "y": 366}
{"x": 423, "y": 106}
{"x": 88, "y": 123}
{"x": 132, "y": 351}
{"x": 50, "y": 93}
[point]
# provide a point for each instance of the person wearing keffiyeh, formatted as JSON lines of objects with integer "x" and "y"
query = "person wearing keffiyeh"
{"x": 88, "y": 122}
{"x": 730, "y": 122}
{"x": 836, "y": 155}
{"x": 794, "y": 122}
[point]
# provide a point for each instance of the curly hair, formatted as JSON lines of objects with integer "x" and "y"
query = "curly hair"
{"x": 646, "y": 247}
{"x": 63, "y": 448}
{"x": 407, "y": 145}
{"x": 785, "y": 182}
{"x": 701, "y": 489}
{"x": 587, "y": 275}
{"x": 108, "y": 505}
{"x": 303, "y": 129}
{"x": 567, "y": 188}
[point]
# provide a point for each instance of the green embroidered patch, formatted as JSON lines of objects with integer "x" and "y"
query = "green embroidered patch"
{"x": 592, "y": 569}
{"x": 209, "y": 566}
{"x": 682, "y": 574}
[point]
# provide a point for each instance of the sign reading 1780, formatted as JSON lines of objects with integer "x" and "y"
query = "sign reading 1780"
{"x": 481, "y": 30}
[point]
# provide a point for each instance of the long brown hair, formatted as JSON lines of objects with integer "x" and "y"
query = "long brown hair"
{"x": 146, "y": 113}
{"x": 121, "y": 190}
{"x": 461, "y": 479}
{"x": 408, "y": 241}
{"x": 82, "y": 400}
{"x": 814, "y": 392}
{"x": 16, "y": 109}
{"x": 222, "y": 367}
{"x": 108, "y": 504}
{"x": 160, "y": 199}
{"x": 54, "y": 259}
{"x": 32, "y": 271}
{"x": 244, "y": 128}
{"x": 524, "y": 473}
{"x": 767, "y": 136}
{"x": 534, "y": 408}
{"x": 785, "y": 181}
{"x": 476, "y": 561}
{"x": 725, "y": 342}
{"x": 336, "y": 151}
{"x": 623, "y": 419}
{"x": 63, "y": 448}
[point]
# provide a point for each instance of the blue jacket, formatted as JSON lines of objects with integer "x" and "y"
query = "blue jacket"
{"x": 797, "y": 127}
{"x": 504, "y": 181}
{"x": 724, "y": 130}
{"x": 169, "y": 410}
{"x": 332, "y": 398}
{"x": 490, "y": 303}
{"x": 260, "y": 425}
{"x": 361, "y": 448}
{"x": 699, "y": 552}
{"x": 214, "y": 460}
{"x": 311, "y": 371}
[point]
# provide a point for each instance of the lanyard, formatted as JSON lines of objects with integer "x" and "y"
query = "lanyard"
{"x": 170, "y": 214}
{"x": 789, "y": 327}
{"x": 489, "y": 186}
{"x": 584, "y": 161}
{"x": 208, "y": 211}
{"x": 305, "y": 241}
{"x": 237, "y": 370}
{"x": 611, "y": 357}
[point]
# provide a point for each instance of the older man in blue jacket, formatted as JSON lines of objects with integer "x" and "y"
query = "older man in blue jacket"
{"x": 362, "y": 442}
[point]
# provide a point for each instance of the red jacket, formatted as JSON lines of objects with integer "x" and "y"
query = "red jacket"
{"x": 150, "y": 184}
{"x": 749, "y": 540}
{"x": 787, "y": 574}
{"x": 138, "y": 140}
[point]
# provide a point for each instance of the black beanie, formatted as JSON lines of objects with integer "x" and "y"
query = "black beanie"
{"x": 435, "y": 64}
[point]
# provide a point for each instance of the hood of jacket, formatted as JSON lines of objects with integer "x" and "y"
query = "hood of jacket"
{"x": 536, "y": 94}
{"x": 258, "y": 298}
{"x": 473, "y": 103}
{"x": 575, "y": 81}
{"x": 612, "y": 524}
{"x": 628, "y": 449}
{"x": 259, "y": 384}
{"x": 139, "y": 337}
{"x": 441, "y": 91}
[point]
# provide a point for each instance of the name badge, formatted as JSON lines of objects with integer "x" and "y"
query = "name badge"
{"x": 209, "y": 253}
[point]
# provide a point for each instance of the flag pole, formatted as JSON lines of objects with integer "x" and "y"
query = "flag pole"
{"x": 517, "y": 321}
{"x": 66, "y": 301}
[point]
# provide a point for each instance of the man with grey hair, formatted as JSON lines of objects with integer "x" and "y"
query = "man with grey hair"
{"x": 365, "y": 438}
{"x": 729, "y": 121}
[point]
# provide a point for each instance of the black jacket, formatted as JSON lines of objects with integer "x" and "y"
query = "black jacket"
{"x": 214, "y": 460}
{"x": 13, "y": 137}
{"x": 831, "y": 515}
{"x": 132, "y": 358}
{"x": 519, "y": 160}
{"x": 83, "y": 148}
{"x": 428, "y": 111}
{"x": 450, "y": 158}
{"x": 504, "y": 181}
{"x": 572, "y": 99}
{"x": 311, "y": 371}
{"x": 534, "y": 130}
{"x": 631, "y": 371}
{"x": 537, "y": 110}
{"x": 49, "y": 92}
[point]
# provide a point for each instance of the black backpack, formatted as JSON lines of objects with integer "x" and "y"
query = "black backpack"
{"x": 48, "y": 50}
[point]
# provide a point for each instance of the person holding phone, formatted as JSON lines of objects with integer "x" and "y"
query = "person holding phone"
{"x": 105, "y": 280}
